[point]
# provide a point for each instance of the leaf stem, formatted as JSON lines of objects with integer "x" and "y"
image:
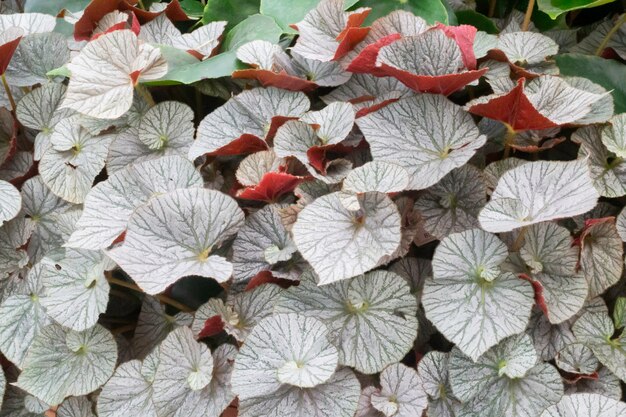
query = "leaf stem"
{"x": 519, "y": 240}
{"x": 508, "y": 140}
{"x": 145, "y": 94}
{"x": 529, "y": 12}
{"x": 492, "y": 8}
{"x": 9, "y": 94}
{"x": 609, "y": 35}
{"x": 162, "y": 298}
{"x": 141, "y": 6}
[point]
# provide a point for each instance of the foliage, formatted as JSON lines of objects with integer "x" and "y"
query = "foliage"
{"x": 312, "y": 208}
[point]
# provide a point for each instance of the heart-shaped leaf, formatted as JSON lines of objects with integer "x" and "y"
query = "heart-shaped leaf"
{"x": 173, "y": 236}
{"x": 354, "y": 309}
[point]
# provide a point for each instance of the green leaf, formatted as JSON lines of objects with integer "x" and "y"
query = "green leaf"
{"x": 287, "y": 12}
{"x": 53, "y": 7}
{"x": 184, "y": 68}
{"x": 481, "y": 22}
{"x": 193, "y": 8}
{"x": 233, "y": 11}
{"x": 554, "y": 8}
{"x": 432, "y": 11}
{"x": 619, "y": 313}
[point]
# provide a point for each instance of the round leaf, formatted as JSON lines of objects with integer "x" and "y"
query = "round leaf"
{"x": 11, "y": 200}
{"x": 586, "y": 405}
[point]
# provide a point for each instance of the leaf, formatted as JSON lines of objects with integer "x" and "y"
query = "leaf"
{"x": 333, "y": 123}
{"x": 36, "y": 55}
{"x": 506, "y": 380}
{"x": 153, "y": 325}
{"x": 432, "y": 12}
{"x": 379, "y": 176}
{"x": 601, "y": 254}
{"x": 355, "y": 310}
{"x": 189, "y": 380}
{"x": 290, "y": 13}
{"x": 75, "y": 407}
{"x": 74, "y": 159}
{"x": 619, "y": 313}
{"x": 452, "y": 205}
{"x": 544, "y": 102}
{"x": 122, "y": 61}
{"x": 398, "y": 395}
{"x": 578, "y": 359}
{"x": 352, "y": 242}
{"x": 49, "y": 213}
{"x": 242, "y": 124}
{"x": 284, "y": 350}
{"x": 327, "y": 32}
{"x": 110, "y": 204}
{"x": 200, "y": 43}
{"x": 596, "y": 331}
{"x": 430, "y": 62}
{"x": 22, "y": 317}
{"x": 607, "y": 172}
{"x": 549, "y": 253}
{"x": 561, "y": 189}
{"x": 613, "y": 137}
{"x": 297, "y": 360}
{"x": 128, "y": 393}
{"x": 556, "y": 8}
{"x": 433, "y": 370}
{"x": 470, "y": 300}
{"x": 428, "y": 147}
{"x": 262, "y": 234}
{"x": 173, "y": 236}
{"x": 3, "y": 384}
{"x": 29, "y": 22}
{"x": 11, "y": 201}
{"x": 63, "y": 362}
{"x": 585, "y": 404}
{"x": 336, "y": 398}
{"x": 53, "y": 7}
{"x": 233, "y": 11}
{"x": 14, "y": 235}
{"x": 601, "y": 71}
{"x": 240, "y": 313}
{"x": 526, "y": 48}
{"x": 607, "y": 385}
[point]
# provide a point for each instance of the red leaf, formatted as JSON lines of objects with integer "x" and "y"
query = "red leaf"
{"x": 212, "y": 326}
{"x": 320, "y": 156}
{"x": 439, "y": 84}
{"x": 351, "y": 38}
{"x": 277, "y": 121}
{"x": 371, "y": 109}
{"x": 6, "y": 53}
{"x": 272, "y": 186}
{"x": 97, "y": 9}
{"x": 282, "y": 80}
{"x": 514, "y": 109}
{"x": 538, "y": 288}
{"x": 464, "y": 36}
{"x": 120, "y": 238}
{"x": 365, "y": 62}
{"x": 266, "y": 277}
{"x": 244, "y": 144}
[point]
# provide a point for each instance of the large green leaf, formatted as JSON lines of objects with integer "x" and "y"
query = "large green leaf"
{"x": 287, "y": 12}
{"x": 233, "y": 11}
{"x": 432, "y": 11}
{"x": 609, "y": 74}
{"x": 555, "y": 8}
{"x": 184, "y": 68}
{"x": 53, "y": 7}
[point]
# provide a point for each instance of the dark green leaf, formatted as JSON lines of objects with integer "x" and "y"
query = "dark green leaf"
{"x": 609, "y": 74}
{"x": 554, "y": 8}
{"x": 482, "y": 22}
{"x": 432, "y": 11}
{"x": 233, "y": 11}
{"x": 253, "y": 28}
{"x": 193, "y": 8}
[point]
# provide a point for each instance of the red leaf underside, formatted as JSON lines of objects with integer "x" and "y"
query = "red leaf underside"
{"x": 464, "y": 37}
{"x": 353, "y": 36}
{"x": 538, "y": 288}
{"x": 212, "y": 326}
{"x": 514, "y": 109}
{"x": 439, "y": 84}
{"x": 365, "y": 62}
{"x": 244, "y": 144}
{"x": 266, "y": 277}
{"x": 6, "y": 53}
{"x": 272, "y": 186}
{"x": 282, "y": 80}
{"x": 320, "y": 156}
